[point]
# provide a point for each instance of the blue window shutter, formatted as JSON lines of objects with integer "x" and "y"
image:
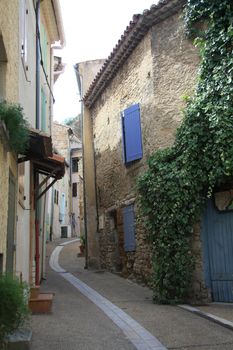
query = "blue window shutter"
{"x": 123, "y": 138}
{"x": 43, "y": 110}
{"x": 132, "y": 134}
{"x": 129, "y": 228}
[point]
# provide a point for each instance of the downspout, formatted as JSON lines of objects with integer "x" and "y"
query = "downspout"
{"x": 52, "y": 215}
{"x": 70, "y": 190}
{"x": 43, "y": 236}
{"x": 37, "y": 64}
{"x": 37, "y": 223}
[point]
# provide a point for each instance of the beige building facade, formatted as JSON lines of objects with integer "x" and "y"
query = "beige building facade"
{"x": 9, "y": 90}
{"x": 26, "y": 78}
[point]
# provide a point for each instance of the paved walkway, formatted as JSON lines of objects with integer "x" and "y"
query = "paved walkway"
{"x": 78, "y": 323}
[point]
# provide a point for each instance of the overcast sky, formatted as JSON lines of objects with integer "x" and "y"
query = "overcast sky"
{"x": 92, "y": 29}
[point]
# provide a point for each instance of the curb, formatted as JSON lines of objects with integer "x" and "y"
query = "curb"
{"x": 219, "y": 320}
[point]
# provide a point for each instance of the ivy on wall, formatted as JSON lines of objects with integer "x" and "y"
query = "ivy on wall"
{"x": 174, "y": 189}
{"x": 17, "y": 126}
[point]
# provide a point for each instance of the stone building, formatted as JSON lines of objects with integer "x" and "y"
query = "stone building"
{"x": 77, "y": 207}
{"x": 131, "y": 109}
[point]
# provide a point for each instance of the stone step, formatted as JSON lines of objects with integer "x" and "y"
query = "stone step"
{"x": 34, "y": 292}
{"x": 41, "y": 304}
{"x": 19, "y": 340}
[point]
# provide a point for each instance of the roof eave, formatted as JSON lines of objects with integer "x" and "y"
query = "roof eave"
{"x": 133, "y": 34}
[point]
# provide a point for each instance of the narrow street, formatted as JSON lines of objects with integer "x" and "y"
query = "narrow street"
{"x": 113, "y": 313}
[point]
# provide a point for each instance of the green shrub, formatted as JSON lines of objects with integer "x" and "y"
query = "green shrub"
{"x": 13, "y": 305}
{"x": 17, "y": 126}
{"x": 83, "y": 240}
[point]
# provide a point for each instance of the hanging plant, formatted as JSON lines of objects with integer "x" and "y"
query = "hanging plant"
{"x": 17, "y": 126}
{"x": 179, "y": 179}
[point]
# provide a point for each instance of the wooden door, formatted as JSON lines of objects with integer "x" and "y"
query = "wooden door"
{"x": 218, "y": 247}
{"x": 11, "y": 226}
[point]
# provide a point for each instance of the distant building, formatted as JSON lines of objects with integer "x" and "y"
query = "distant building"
{"x": 67, "y": 194}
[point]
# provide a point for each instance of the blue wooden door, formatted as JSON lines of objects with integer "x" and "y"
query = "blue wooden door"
{"x": 218, "y": 252}
{"x": 63, "y": 208}
{"x": 129, "y": 229}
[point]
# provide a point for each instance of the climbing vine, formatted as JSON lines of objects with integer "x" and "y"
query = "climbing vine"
{"x": 179, "y": 179}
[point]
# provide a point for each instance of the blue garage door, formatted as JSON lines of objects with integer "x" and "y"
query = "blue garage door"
{"x": 218, "y": 248}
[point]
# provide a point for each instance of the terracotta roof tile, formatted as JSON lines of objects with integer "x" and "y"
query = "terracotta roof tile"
{"x": 132, "y": 35}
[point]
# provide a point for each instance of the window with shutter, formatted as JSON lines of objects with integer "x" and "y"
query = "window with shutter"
{"x": 23, "y": 34}
{"x": 74, "y": 189}
{"x": 43, "y": 110}
{"x": 129, "y": 228}
{"x": 132, "y": 135}
{"x": 75, "y": 165}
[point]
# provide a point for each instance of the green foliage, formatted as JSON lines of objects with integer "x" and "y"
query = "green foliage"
{"x": 180, "y": 178}
{"x": 17, "y": 126}
{"x": 75, "y": 124}
{"x": 83, "y": 240}
{"x": 13, "y": 305}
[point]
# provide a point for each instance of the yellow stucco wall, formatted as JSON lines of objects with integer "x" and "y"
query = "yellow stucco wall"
{"x": 9, "y": 29}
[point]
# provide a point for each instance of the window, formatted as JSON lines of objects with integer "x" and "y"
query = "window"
{"x": 21, "y": 171}
{"x": 44, "y": 46}
{"x": 74, "y": 189}
{"x": 43, "y": 110}
{"x": 132, "y": 136}
{"x": 24, "y": 31}
{"x": 75, "y": 165}
{"x": 129, "y": 228}
{"x": 56, "y": 195}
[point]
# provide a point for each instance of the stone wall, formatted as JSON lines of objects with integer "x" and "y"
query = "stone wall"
{"x": 61, "y": 140}
{"x": 159, "y": 72}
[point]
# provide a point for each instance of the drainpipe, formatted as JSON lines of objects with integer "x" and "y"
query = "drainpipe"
{"x": 43, "y": 236}
{"x": 37, "y": 223}
{"x": 37, "y": 64}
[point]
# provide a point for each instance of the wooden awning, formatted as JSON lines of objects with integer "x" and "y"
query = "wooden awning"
{"x": 53, "y": 166}
{"x": 40, "y": 153}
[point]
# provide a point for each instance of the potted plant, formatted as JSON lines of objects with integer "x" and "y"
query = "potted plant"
{"x": 82, "y": 244}
{"x": 12, "y": 118}
{"x": 14, "y": 309}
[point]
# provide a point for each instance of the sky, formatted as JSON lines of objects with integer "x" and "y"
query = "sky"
{"x": 92, "y": 29}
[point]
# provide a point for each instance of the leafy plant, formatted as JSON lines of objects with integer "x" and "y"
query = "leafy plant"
{"x": 13, "y": 305}
{"x": 179, "y": 179}
{"x": 17, "y": 126}
{"x": 82, "y": 240}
